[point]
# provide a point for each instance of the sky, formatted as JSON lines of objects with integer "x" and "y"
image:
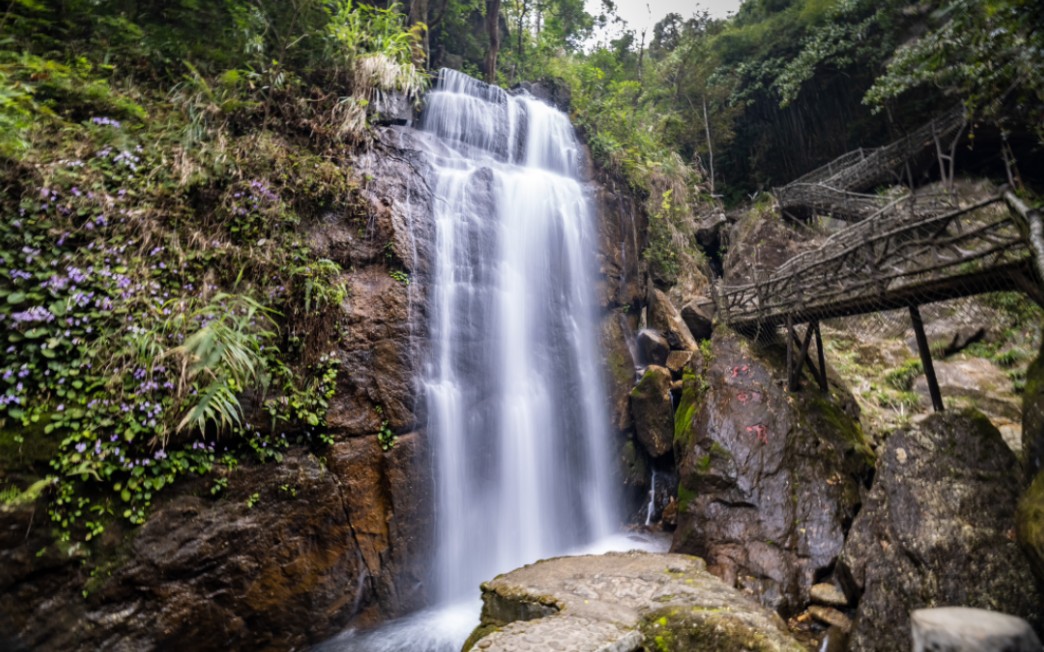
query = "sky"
{"x": 645, "y": 13}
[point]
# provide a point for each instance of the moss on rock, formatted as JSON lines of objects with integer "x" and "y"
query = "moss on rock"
{"x": 1029, "y": 519}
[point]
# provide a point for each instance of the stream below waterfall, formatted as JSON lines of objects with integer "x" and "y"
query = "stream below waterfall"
{"x": 516, "y": 404}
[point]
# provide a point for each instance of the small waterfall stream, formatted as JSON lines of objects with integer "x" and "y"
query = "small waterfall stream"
{"x": 515, "y": 400}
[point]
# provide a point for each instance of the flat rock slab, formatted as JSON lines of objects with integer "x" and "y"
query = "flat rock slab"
{"x": 621, "y": 602}
{"x": 561, "y": 634}
{"x": 962, "y": 629}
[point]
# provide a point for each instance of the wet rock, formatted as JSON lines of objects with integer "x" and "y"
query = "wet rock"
{"x": 937, "y": 527}
{"x": 390, "y": 108}
{"x": 959, "y": 629}
{"x": 1030, "y": 524}
{"x": 620, "y": 368}
{"x": 620, "y": 221}
{"x": 830, "y": 616}
{"x": 664, "y": 317}
{"x": 623, "y": 601}
{"x": 652, "y": 348}
{"x": 829, "y": 595}
{"x": 699, "y": 317}
{"x": 768, "y": 479}
{"x": 653, "y": 416}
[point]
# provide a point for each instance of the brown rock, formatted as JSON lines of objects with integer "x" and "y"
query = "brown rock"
{"x": 676, "y": 361}
{"x": 652, "y": 347}
{"x": 664, "y": 317}
{"x": 829, "y": 595}
{"x": 698, "y": 315}
{"x": 831, "y": 616}
{"x": 653, "y": 416}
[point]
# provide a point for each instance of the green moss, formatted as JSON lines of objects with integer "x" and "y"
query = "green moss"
{"x": 692, "y": 392}
{"x": 847, "y": 428}
{"x": 708, "y": 630}
{"x": 685, "y": 496}
{"x": 478, "y": 634}
{"x": 902, "y": 378}
{"x": 703, "y": 464}
{"x": 620, "y": 368}
{"x": 1029, "y": 521}
{"x": 26, "y": 449}
{"x": 1035, "y": 378}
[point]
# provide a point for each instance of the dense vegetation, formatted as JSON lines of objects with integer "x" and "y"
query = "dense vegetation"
{"x": 162, "y": 314}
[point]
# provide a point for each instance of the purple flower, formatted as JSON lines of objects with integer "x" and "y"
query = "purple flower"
{"x": 33, "y": 315}
{"x": 81, "y": 447}
{"x": 102, "y": 121}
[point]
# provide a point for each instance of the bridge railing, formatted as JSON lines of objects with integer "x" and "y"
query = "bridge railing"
{"x": 903, "y": 256}
{"x": 824, "y": 189}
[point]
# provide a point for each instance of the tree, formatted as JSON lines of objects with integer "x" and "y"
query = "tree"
{"x": 493, "y": 31}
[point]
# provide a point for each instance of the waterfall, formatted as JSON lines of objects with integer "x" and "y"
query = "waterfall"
{"x": 515, "y": 404}
{"x": 517, "y": 415}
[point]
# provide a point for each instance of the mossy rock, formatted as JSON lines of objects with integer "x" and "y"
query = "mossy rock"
{"x": 682, "y": 629}
{"x": 1029, "y": 521}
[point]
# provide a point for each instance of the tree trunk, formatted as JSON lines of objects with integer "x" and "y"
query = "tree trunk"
{"x": 710, "y": 146}
{"x": 493, "y": 30}
{"x": 419, "y": 14}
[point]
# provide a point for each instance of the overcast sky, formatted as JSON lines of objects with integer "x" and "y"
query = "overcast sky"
{"x": 641, "y": 14}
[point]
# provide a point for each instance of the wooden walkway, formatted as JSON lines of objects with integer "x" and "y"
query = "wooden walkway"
{"x": 915, "y": 250}
{"x": 838, "y": 189}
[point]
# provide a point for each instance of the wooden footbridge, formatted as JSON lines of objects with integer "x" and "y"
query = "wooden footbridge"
{"x": 839, "y": 188}
{"x": 912, "y": 250}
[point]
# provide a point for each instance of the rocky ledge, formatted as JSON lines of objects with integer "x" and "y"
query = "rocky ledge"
{"x": 622, "y": 602}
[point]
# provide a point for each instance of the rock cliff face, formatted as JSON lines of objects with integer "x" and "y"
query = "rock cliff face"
{"x": 291, "y": 553}
{"x": 768, "y": 480}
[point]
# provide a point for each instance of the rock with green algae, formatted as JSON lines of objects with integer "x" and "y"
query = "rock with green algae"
{"x": 937, "y": 528}
{"x": 768, "y": 479}
{"x": 1029, "y": 520}
{"x": 1033, "y": 416}
{"x": 620, "y": 602}
{"x": 651, "y": 407}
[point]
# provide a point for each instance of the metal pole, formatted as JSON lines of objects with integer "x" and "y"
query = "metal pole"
{"x": 926, "y": 358}
{"x": 823, "y": 384}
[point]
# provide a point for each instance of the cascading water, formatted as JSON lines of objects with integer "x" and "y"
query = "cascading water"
{"x": 515, "y": 401}
{"x": 514, "y": 393}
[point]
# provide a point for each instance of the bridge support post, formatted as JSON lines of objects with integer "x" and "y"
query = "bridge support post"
{"x": 823, "y": 385}
{"x": 926, "y": 358}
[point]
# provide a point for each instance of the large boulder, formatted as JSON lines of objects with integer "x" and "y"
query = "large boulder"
{"x": 274, "y": 562}
{"x": 653, "y": 415}
{"x": 623, "y": 602}
{"x": 699, "y": 317}
{"x": 768, "y": 479}
{"x": 937, "y": 528}
{"x": 664, "y": 317}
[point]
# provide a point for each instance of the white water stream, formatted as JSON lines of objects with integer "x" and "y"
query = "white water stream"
{"x": 516, "y": 406}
